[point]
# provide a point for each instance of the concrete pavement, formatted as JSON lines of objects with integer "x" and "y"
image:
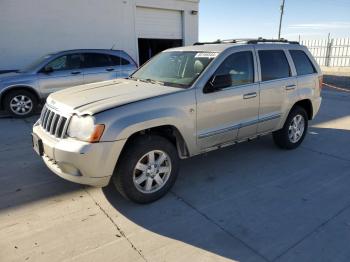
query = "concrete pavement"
{"x": 250, "y": 202}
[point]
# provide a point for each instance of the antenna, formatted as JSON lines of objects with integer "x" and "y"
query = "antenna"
{"x": 118, "y": 54}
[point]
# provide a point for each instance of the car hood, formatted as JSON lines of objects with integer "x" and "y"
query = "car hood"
{"x": 13, "y": 76}
{"x": 97, "y": 97}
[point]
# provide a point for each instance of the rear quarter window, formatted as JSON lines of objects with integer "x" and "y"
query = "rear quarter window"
{"x": 117, "y": 60}
{"x": 302, "y": 63}
{"x": 274, "y": 65}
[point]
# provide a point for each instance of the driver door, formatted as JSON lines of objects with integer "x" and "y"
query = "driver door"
{"x": 65, "y": 71}
{"x": 230, "y": 113}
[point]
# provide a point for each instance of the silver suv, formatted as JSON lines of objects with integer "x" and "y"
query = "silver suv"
{"x": 22, "y": 91}
{"x": 183, "y": 102}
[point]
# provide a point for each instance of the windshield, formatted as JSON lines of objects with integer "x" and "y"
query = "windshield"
{"x": 177, "y": 69}
{"x": 35, "y": 64}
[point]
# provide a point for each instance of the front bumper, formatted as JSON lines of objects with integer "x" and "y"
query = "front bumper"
{"x": 80, "y": 162}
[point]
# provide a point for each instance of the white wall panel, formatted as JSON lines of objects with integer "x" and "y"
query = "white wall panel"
{"x": 32, "y": 28}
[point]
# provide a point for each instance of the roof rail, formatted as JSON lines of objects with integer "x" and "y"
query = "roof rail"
{"x": 208, "y": 43}
{"x": 263, "y": 40}
{"x": 226, "y": 41}
{"x": 248, "y": 41}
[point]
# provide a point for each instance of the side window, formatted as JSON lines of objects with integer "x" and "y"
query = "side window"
{"x": 274, "y": 65}
{"x": 117, "y": 60}
{"x": 66, "y": 62}
{"x": 302, "y": 62}
{"x": 96, "y": 60}
{"x": 240, "y": 66}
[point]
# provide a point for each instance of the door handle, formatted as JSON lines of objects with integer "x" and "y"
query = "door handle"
{"x": 76, "y": 73}
{"x": 250, "y": 95}
{"x": 291, "y": 87}
{"x": 110, "y": 69}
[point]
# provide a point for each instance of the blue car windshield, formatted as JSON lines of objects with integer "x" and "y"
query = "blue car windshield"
{"x": 177, "y": 68}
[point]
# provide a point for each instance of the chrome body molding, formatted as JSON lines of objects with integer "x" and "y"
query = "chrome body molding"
{"x": 238, "y": 126}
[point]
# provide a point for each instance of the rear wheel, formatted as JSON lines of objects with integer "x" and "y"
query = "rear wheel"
{"x": 147, "y": 169}
{"x": 20, "y": 103}
{"x": 294, "y": 130}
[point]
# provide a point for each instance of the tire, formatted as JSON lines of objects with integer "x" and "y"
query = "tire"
{"x": 20, "y": 103}
{"x": 285, "y": 138}
{"x": 134, "y": 170}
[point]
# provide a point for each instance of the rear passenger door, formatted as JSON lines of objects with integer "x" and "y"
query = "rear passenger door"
{"x": 97, "y": 67}
{"x": 277, "y": 84}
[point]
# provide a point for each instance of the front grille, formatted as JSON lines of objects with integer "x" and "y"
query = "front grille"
{"x": 53, "y": 123}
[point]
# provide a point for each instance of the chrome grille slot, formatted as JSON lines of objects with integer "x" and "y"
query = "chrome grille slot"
{"x": 59, "y": 124}
{"x": 48, "y": 122}
{"x": 53, "y": 123}
{"x": 45, "y": 117}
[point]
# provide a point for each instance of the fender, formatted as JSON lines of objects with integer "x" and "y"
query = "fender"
{"x": 125, "y": 127}
{"x": 10, "y": 88}
{"x": 165, "y": 111}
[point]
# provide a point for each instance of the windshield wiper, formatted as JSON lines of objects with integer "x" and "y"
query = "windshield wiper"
{"x": 175, "y": 85}
{"x": 148, "y": 80}
{"x": 156, "y": 82}
{"x": 132, "y": 78}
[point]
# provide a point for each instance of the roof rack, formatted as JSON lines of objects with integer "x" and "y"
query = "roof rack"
{"x": 263, "y": 40}
{"x": 248, "y": 41}
{"x": 227, "y": 41}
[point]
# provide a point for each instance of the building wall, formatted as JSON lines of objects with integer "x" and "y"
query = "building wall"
{"x": 32, "y": 28}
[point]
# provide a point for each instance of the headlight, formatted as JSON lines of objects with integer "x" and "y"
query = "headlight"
{"x": 84, "y": 128}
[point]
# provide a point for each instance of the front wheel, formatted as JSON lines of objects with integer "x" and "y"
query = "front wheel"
{"x": 294, "y": 130}
{"x": 20, "y": 103}
{"x": 147, "y": 169}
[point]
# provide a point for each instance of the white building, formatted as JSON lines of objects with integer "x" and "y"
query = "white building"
{"x": 32, "y": 28}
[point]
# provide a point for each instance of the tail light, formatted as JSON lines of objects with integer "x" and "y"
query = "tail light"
{"x": 320, "y": 80}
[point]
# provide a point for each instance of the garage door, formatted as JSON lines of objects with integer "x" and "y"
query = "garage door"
{"x": 158, "y": 23}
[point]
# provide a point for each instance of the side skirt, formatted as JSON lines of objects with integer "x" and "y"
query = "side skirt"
{"x": 231, "y": 143}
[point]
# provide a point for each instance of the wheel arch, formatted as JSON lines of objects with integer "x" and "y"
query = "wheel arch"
{"x": 169, "y": 132}
{"x": 6, "y": 91}
{"x": 307, "y": 105}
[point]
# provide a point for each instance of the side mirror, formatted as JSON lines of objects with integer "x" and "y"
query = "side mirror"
{"x": 218, "y": 82}
{"x": 47, "y": 70}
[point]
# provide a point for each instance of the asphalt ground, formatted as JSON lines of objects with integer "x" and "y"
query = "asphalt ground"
{"x": 249, "y": 202}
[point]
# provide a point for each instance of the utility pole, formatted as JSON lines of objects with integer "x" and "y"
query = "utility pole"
{"x": 281, "y": 17}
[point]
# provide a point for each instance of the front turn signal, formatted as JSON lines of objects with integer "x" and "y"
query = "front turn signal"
{"x": 97, "y": 134}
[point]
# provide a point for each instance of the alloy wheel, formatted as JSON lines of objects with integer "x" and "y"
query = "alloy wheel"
{"x": 21, "y": 104}
{"x": 296, "y": 128}
{"x": 152, "y": 171}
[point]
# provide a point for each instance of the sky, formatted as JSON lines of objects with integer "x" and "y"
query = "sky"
{"x": 311, "y": 19}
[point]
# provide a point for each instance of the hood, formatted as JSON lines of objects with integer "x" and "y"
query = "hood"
{"x": 93, "y": 98}
{"x": 8, "y": 75}
{"x": 12, "y": 76}
{"x": 8, "y": 71}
